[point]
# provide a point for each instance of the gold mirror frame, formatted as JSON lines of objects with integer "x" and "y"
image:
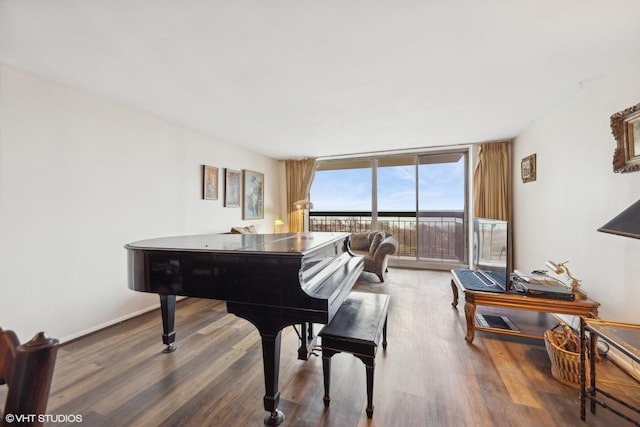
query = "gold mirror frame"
{"x": 625, "y": 126}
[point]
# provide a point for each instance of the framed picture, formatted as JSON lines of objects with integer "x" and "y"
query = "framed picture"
{"x": 252, "y": 195}
{"x": 625, "y": 126}
{"x": 232, "y": 188}
{"x": 528, "y": 168}
{"x": 209, "y": 182}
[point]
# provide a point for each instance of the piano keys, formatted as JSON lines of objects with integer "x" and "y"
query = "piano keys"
{"x": 271, "y": 280}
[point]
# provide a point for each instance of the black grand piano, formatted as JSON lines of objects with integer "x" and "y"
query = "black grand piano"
{"x": 272, "y": 280}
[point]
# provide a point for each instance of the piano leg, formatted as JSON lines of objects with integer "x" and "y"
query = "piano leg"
{"x": 270, "y": 327}
{"x": 168, "y": 310}
{"x": 271, "y": 364}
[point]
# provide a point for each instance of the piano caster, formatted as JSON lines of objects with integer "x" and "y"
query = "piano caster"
{"x": 170, "y": 348}
{"x": 274, "y": 418}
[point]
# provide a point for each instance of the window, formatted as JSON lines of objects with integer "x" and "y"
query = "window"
{"x": 342, "y": 190}
{"x": 420, "y": 199}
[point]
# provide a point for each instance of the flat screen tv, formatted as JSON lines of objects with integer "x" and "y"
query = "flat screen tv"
{"x": 491, "y": 249}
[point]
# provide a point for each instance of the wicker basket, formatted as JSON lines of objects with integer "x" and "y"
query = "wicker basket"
{"x": 565, "y": 365}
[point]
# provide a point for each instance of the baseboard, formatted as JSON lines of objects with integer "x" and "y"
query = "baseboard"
{"x": 424, "y": 265}
{"x": 115, "y": 321}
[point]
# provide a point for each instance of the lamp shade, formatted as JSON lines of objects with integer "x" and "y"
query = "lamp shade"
{"x": 302, "y": 205}
{"x": 627, "y": 223}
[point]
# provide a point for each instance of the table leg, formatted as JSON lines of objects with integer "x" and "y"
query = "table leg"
{"x": 370, "y": 366}
{"x": 326, "y": 374}
{"x": 454, "y": 289}
{"x": 470, "y": 315}
{"x": 592, "y": 372}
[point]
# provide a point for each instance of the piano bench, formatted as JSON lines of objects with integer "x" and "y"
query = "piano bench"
{"x": 356, "y": 328}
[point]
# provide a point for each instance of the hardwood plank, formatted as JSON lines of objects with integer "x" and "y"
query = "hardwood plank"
{"x": 428, "y": 375}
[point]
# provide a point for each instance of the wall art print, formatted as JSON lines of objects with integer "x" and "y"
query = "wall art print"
{"x": 209, "y": 182}
{"x": 232, "y": 188}
{"x": 253, "y": 195}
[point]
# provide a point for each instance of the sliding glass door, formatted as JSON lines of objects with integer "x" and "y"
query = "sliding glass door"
{"x": 420, "y": 199}
{"x": 441, "y": 207}
{"x": 397, "y": 202}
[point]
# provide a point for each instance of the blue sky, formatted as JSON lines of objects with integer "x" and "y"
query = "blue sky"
{"x": 441, "y": 187}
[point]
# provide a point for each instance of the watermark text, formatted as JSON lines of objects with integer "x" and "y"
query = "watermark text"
{"x": 43, "y": 418}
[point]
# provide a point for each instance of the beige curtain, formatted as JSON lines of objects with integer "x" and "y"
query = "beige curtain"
{"x": 492, "y": 182}
{"x": 492, "y": 185}
{"x": 299, "y": 176}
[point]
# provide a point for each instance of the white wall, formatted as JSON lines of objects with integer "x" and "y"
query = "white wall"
{"x": 80, "y": 177}
{"x": 576, "y": 191}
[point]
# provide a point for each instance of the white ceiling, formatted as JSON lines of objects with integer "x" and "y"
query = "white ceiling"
{"x": 297, "y": 78}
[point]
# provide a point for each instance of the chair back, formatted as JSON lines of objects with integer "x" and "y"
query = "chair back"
{"x": 27, "y": 370}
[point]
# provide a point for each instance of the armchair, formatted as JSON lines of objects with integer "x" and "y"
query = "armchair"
{"x": 375, "y": 246}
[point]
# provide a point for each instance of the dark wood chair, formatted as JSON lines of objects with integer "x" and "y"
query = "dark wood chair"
{"x": 27, "y": 370}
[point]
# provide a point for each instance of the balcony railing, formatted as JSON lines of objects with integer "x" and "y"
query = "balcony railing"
{"x": 428, "y": 236}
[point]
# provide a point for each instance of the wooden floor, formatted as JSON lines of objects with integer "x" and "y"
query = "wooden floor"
{"x": 428, "y": 376}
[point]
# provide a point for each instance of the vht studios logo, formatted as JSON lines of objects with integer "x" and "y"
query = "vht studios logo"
{"x": 42, "y": 418}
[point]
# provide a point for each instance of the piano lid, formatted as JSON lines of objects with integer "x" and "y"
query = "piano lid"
{"x": 283, "y": 243}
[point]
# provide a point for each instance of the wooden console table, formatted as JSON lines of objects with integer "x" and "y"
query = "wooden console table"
{"x": 624, "y": 337}
{"x": 514, "y": 300}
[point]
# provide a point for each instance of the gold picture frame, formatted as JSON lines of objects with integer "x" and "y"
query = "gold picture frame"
{"x": 625, "y": 127}
{"x": 528, "y": 168}
{"x": 209, "y": 182}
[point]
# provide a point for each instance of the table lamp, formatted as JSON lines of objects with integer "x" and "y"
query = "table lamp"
{"x": 277, "y": 223}
{"x": 627, "y": 223}
{"x": 561, "y": 268}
